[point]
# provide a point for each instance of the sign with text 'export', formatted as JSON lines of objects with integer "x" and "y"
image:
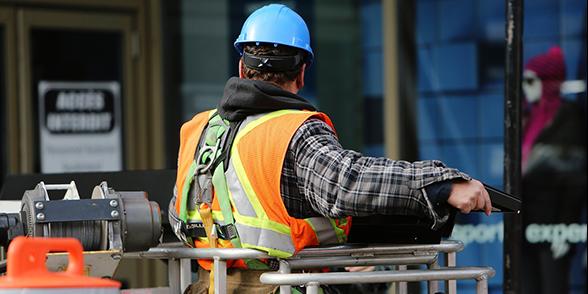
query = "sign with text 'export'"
{"x": 80, "y": 126}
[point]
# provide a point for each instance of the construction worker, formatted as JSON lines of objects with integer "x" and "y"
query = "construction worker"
{"x": 265, "y": 170}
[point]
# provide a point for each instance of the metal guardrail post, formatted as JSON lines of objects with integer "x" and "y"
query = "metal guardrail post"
{"x": 285, "y": 269}
{"x": 312, "y": 288}
{"x": 433, "y": 285}
{"x": 451, "y": 285}
{"x": 185, "y": 274}
{"x": 402, "y": 286}
{"x": 482, "y": 286}
{"x": 173, "y": 274}
{"x": 220, "y": 276}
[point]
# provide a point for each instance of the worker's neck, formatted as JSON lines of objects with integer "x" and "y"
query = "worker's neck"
{"x": 290, "y": 87}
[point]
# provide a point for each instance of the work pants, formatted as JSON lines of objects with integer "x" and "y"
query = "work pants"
{"x": 238, "y": 281}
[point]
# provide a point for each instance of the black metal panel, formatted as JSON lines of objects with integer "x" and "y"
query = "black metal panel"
{"x": 76, "y": 210}
{"x": 390, "y": 229}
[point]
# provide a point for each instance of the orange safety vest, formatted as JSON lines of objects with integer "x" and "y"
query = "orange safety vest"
{"x": 253, "y": 182}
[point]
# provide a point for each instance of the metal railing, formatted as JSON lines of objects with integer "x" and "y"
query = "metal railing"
{"x": 312, "y": 281}
{"x": 179, "y": 271}
{"x": 401, "y": 256}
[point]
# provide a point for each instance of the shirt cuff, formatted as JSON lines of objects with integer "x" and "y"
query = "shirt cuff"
{"x": 437, "y": 194}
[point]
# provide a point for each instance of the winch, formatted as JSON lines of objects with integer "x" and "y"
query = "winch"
{"x": 109, "y": 220}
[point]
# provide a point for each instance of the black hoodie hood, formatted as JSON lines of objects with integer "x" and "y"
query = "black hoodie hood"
{"x": 242, "y": 98}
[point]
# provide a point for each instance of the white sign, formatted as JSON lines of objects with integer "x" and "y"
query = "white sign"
{"x": 560, "y": 236}
{"x": 478, "y": 233}
{"x": 80, "y": 126}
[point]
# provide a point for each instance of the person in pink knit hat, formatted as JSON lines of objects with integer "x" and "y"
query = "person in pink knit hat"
{"x": 554, "y": 174}
{"x": 543, "y": 77}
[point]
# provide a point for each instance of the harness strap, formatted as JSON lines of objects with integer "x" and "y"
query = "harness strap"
{"x": 219, "y": 182}
{"x": 206, "y": 215}
{"x": 212, "y": 158}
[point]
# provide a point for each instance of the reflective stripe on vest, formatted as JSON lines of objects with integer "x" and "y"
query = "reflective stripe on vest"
{"x": 324, "y": 229}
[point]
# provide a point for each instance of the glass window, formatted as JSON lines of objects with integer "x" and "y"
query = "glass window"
{"x": 554, "y": 146}
{"x": 204, "y": 32}
{"x": 372, "y": 77}
{"x": 461, "y": 122}
{"x": 460, "y": 78}
{"x": 67, "y": 55}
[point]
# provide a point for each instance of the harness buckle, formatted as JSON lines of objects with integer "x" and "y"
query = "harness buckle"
{"x": 229, "y": 231}
{"x": 196, "y": 230}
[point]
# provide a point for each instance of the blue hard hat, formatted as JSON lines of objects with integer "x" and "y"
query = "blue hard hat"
{"x": 275, "y": 24}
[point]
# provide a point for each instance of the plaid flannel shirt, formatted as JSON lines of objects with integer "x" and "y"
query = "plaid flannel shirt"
{"x": 319, "y": 177}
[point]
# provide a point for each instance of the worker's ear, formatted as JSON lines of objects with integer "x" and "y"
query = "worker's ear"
{"x": 241, "y": 72}
{"x": 300, "y": 77}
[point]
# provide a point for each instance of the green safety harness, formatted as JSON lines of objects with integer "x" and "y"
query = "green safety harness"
{"x": 212, "y": 159}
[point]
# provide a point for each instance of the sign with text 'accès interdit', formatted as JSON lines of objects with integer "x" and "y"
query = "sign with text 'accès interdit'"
{"x": 80, "y": 126}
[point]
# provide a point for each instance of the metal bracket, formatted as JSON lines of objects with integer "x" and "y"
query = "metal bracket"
{"x": 77, "y": 210}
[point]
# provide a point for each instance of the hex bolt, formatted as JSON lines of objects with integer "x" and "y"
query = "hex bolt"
{"x": 114, "y": 213}
{"x": 39, "y": 205}
{"x": 40, "y": 216}
{"x": 113, "y": 203}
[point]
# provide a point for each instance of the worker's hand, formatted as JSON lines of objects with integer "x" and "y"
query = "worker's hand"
{"x": 360, "y": 268}
{"x": 469, "y": 195}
